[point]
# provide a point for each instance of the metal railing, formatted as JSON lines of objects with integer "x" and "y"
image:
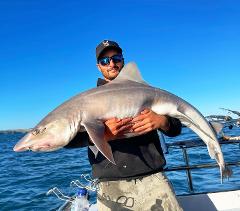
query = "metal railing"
{"x": 184, "y": 145}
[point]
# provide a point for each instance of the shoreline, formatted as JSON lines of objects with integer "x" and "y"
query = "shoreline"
{"x": 12, "y": 131}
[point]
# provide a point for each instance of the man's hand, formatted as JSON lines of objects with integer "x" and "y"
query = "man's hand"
{"x": 148, "y": 120}
{"x": 143, "y": 123}
{"x": 116, "y": 128}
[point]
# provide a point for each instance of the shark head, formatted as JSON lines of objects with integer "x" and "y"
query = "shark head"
{"x": 46, "y": 136}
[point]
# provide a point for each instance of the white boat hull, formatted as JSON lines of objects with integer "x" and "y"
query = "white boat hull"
{"x": 221, "y": 201}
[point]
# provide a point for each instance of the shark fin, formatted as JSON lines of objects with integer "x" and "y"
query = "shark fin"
{"x": 202, "y": 135}
{"x": 211, "y": 148}
{"x": 95, "y": 131}
{"x": 217, "y": 126}
{"x": 186, "y": 120}
{"x": 130, "y": 72}
{"x": 212, "y": 152}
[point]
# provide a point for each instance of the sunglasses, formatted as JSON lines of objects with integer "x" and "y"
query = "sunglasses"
{"x": 106, "y": 60}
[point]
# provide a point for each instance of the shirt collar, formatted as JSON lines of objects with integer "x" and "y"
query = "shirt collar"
{"x": 101, "y": 82}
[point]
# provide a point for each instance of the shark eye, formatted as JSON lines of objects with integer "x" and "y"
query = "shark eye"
{"x": 38, "y": 131}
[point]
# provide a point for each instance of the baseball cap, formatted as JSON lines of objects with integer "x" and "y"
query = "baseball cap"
{"x": 107, "y": 44}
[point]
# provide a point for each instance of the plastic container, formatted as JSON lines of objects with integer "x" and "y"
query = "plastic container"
{"x": 81, "y": 202}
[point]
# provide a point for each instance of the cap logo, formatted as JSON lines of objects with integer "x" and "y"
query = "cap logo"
{"x": 105, "y": 43}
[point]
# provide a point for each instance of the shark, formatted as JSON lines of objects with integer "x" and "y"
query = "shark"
{"x": 125, "y": 96}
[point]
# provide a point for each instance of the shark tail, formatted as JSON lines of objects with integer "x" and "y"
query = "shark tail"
{"x": 226, "y": 172}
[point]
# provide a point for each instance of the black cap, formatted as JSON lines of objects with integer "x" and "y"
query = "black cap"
{"x": 106, "y": 44}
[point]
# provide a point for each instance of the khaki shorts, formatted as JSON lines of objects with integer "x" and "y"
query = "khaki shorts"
{"x": 152, "y": 192}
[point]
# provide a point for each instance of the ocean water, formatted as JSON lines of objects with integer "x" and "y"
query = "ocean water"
{"x": 26, "y": 177}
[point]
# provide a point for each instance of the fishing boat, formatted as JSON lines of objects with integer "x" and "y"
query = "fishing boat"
{"x": 227, "y": 200}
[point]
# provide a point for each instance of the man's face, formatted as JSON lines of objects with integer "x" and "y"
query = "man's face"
{"x": 111, "y": 70}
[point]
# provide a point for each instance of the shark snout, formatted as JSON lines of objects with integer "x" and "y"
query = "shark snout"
{"x": 24, "y": 143}
{"x": 19, "y": 148}
{"x": 46, "y": 142}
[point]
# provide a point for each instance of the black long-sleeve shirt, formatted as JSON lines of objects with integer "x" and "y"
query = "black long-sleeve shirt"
{"x": 135, "y": 157}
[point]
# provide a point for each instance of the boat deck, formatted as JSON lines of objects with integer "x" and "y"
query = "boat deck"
{"x": 228, "y": 200}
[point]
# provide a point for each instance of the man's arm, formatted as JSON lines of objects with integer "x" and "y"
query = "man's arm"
{"x": 175, "y": 127}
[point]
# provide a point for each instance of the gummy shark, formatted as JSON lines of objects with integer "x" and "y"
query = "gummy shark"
{"x": 125, "y": 96}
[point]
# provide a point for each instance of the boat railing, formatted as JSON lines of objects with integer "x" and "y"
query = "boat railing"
{"x": 184, "y": 146}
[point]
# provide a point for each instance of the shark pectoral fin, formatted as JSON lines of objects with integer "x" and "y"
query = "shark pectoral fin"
{"x": 95, "y": 131}
{"x": 217, "y": 126}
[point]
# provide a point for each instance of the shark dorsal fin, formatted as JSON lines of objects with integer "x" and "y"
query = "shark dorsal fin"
{"x": 130, "y": 72}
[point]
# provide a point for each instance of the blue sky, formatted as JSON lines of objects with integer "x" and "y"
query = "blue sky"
{"x": 47, "y": 51}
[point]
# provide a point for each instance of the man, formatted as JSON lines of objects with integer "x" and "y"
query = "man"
{"x": 136, "y": 182}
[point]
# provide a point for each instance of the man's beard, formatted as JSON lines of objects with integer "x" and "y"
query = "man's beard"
{"x": 115, "y": 68}
{"x": 109, "y": 75}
